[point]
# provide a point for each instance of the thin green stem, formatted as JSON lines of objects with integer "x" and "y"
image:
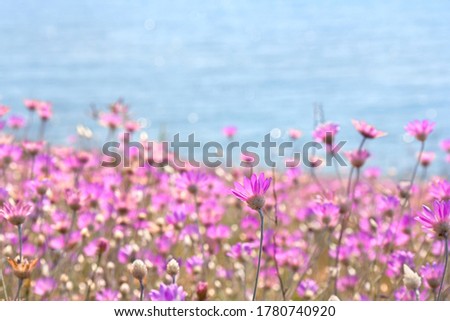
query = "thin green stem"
{"x": 261, "y": 218}
{"x": 445, "y": 268}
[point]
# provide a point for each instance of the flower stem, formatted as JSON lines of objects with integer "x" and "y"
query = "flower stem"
{"x": 141, "y": 297}
{"x": 261, "y": 218}
{"x": 20, "y": 242}
{"x": 18, "y": 290}
{"x": 445, "y": 269}
{"x": 413, "y": 177}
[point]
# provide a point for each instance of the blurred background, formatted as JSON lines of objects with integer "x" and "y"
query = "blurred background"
{"x": 197, "y": 66}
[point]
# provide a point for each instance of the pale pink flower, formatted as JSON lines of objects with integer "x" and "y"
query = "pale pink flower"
{"x": 420, "y": 129}
{"x": 358, "y": 157}
{"x": 16, "y": 214}
{"x": 368, "y": 131}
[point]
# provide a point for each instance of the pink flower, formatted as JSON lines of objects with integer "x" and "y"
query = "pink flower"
{"x": 45, "y": 110}
{"x": 432, "y": 274}
{"x": 32, "y": 104}
{"x": 294, "y": 134}
{"x": 252, "y": 192}
{"x": 326, "y": 132}
{"x": 229, "y": 131}
{"x": 132, "y": 126}
{"x": 327, "y": 212}
{"x": 427, "y": 158}
{"x": 3, "y": 110}
{"x": 368, "y": 131}
{"x": 440, "y": 190}
{"x": 110, "y": 120}
{"x": 33, "y": 148}
{"x": 358, "y": 157}
{"x": 436, "y": 221}
{"x": 16, "y": 214}
{"x": 16, "y": 122}
{"x": 192, "y": 181}
{"x": 445, "y": 145}
{"x": 420, "y": 129}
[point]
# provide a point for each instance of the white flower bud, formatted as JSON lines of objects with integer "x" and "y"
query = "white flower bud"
{"x": 411, "y": 279}
{"x": 173, "y": 268}
{"x": 139, "y": 270}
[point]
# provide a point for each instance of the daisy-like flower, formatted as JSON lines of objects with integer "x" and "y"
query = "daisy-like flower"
{"x": 358, "y": 157}
{"x": 436, "y": 220}
{"x": 16, "y": 214}
{"x": 171, "y": 292}
{"x": 366, "y": 130}
{"x": 432, "y": 273}
{"x": 427, "y": 158}
{"x": 326, "y": 132}
{"x": 327, "y": 213}
{"x": 192, "y": 181}
{"x": 420, "y": 129}
{"x": 22, "y": 270}
{"x": 253, "y": 190}
{"x": 440, "y": 189}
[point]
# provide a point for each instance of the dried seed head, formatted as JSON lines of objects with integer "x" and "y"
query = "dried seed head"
{"x": 411, "y": 279}
{"x": 173, "y": 268}
{"x": 139, "y": 270}
{"x": 334, "y": 298}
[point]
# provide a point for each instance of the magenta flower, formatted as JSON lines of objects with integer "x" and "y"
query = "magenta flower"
{"x": 420, "y": 129}
{"x": 252, "y": 192}
{"x": 16, "y": 122}
{"x": 96, "y": 247}
{"x": 432, "y": 273}
{"x": 44, "y": 286}
{"x": 307, "y": 289}
{"x": 366, "y": 130}
{"x": 327, "y": 212}
{"x": 358, "y": 157}
{"x": 445, "y": 145}
{"x": 436, "y": 220}
{"x": 192, "y": 181}
{"x": 16, "y": 214}
{"x": 171, "y": 292}
{"x": 229, "y": 131}
{"x": 440, "y": 190}
{"x": 326, "y": 132}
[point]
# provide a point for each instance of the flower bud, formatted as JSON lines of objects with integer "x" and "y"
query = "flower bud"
{"x": 202, "y": 291}
{"x": 411, "y": 279}
{"x": 139, "y": 270}
{"x": 173, "y": 268}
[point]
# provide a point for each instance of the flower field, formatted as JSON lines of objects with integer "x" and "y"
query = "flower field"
{"x": 72, "y": 229}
